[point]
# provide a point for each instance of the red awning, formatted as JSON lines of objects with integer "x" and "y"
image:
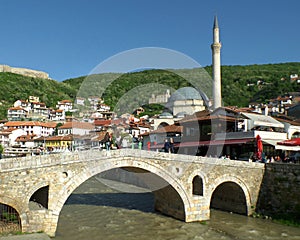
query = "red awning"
{"x": 292, "y": 142}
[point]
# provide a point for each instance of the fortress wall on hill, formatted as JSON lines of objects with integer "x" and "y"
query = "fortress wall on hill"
{"x": 24, "y": 71}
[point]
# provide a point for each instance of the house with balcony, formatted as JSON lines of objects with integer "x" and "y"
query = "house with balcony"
{"x": 94, "y": 102}
{"x": 65, "y": 105}
{"x": 28, "y": 110}
{"x": 57, "y": 115}
{"x": 16, "y": 113}
{"x": 38, "y": 111}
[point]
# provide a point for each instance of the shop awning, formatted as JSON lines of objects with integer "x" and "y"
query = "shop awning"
{"x": 288, "y": 148}
{"x": 289, "y": 145}
{"x": 290, "y": 142}
{"x": 278, "y": 146}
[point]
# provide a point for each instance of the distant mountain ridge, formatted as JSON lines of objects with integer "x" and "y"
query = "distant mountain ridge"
{"x": 240, "y": 84}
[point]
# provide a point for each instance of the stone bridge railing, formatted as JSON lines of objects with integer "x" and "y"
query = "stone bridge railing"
{"x": 10, "y": 164}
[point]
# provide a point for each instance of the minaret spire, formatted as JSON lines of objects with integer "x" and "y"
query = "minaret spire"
{"x": 216, "y": 25}
{"x": 216, "y": 63}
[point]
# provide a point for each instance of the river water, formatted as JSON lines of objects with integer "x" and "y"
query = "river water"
{"x": 95, "y": 211}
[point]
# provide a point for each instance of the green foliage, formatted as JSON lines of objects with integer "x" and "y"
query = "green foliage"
{"x": 152, "y": 109}
{"x": 10, "y": 217}
{"x": 275, "y": 81}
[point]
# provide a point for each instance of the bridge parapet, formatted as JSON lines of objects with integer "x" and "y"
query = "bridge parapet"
{"x": 90, "y": 155}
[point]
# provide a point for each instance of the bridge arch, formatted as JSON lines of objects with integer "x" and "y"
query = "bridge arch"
{"x": 18, "y": 206}
{"x": 12, "y": 215}
{"x": 238, "y": 186}
{"x": 35, "y": 189}
{"x": 223, "y": 185}
{"x": 86, "y": 173}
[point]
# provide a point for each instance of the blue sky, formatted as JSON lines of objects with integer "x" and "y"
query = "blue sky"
{"x": 68, "y": 38}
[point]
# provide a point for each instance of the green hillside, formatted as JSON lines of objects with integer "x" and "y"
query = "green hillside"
{"x": 14, "y": 87}
{"x": 239, "y": 85}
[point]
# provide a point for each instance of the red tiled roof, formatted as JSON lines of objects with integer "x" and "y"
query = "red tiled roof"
{"x": 17, "y": 108}
{"x": 101, "y": 136}
{"x": 29, "y": 123}
{"x": 208, "y": 118}
{"x": 7, "y": 131}
{"x": 39, "y": 103}
{"x": 103, "y": 122}
{"x": 170, "y": 128}
{"x": 81, "y": 125}
{"x": 64, "y": 101}
{"x": 56, "y": 138}
{"x": 25, "y": 138}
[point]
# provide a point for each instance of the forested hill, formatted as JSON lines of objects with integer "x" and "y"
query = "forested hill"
{"x": 240, "y": 84}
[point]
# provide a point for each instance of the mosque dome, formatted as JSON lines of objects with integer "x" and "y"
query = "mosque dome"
{"x": 165, "y": 115}
{"x": 185, "y": 93}
{"x": 181, "y": 115}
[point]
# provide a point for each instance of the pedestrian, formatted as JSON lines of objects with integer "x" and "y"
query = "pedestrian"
{"x": 171, "y": 145}
{"x": 140, "y": 145}
{"x": 167, "y": 146}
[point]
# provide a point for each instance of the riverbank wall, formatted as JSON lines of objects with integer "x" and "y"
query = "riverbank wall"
{"x": 280, "y": 192}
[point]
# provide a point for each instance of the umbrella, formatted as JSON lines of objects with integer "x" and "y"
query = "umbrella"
{"x": 259, "y": 147}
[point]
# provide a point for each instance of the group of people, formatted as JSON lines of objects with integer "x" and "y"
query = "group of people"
{"x": 169, "y": 145}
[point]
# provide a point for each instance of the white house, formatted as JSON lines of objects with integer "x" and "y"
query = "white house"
{"x": 8, "y": 137}
{"x": 16, "y": 113}
{"x": 57, "y": 115}
{"x": 26, "y": 141}
{"x": 32, "y": 127}
{"x": 80, "y": 101}
{"x": 75, "y": 128}
{"x": 65, "y": 105}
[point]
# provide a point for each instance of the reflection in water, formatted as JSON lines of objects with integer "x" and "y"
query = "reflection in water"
{"x": 95, "y": 211}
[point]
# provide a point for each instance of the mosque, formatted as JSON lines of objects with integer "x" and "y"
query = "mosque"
{"x": 188, "y": 100}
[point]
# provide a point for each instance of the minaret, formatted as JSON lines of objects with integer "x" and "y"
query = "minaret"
{"x": 216, "y": 63}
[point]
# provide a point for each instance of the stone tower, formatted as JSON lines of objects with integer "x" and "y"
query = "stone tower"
{"x": 216, "y": 62}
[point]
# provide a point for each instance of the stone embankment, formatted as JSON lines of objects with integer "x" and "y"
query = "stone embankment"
{"x": 280, "y": 191}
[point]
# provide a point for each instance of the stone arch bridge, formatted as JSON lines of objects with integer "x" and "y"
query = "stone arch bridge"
{"x": 185, "y": 187}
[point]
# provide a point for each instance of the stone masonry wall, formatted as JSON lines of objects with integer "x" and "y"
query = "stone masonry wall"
{"x": 280, "y": 191}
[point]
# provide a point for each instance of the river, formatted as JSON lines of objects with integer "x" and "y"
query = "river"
{"x": 95, "y": 211}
